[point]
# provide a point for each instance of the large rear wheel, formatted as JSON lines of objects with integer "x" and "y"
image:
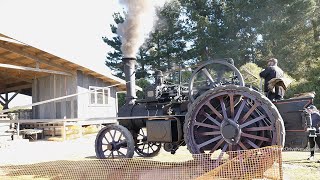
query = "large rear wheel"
{"x": 232, "y": 118}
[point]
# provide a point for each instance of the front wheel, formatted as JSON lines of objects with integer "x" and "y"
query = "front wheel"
{"x": 114, "y": 142}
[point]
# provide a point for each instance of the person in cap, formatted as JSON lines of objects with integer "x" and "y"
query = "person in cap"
{"x": 272, "y": 71}
{"x": 315, "y": 117}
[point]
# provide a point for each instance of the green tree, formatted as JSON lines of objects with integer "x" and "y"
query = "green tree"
{"x": 114, "y": 58}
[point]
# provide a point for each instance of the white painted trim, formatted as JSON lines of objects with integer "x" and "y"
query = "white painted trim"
{"x": 96, "y": 97}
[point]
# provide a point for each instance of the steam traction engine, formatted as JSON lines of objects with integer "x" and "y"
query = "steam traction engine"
{"x": 215, "y": 111}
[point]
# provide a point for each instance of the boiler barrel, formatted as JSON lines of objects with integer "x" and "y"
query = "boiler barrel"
{"x": 138, "y": 110}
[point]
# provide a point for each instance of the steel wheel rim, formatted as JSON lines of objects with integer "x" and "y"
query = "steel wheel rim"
{"x": 114, "y": 144}
{"x": 252, "y": 134}
{"x": 203, "y": 67}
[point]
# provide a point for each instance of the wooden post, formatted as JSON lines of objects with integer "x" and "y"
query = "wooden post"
{"x": 64, "y": 131}
{"x": 80, "y": 129}
{"x": 18, "y": 130}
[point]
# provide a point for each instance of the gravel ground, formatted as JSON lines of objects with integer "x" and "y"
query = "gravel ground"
{"x": 295, "y": 165}
{"x": 24, "y": 152}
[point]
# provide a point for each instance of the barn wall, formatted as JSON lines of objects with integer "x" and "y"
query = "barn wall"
{"x": 54, "y": 86}
{"x": 85, "y": 110}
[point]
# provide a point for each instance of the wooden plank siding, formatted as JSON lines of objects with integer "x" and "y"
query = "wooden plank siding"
{"x": 85, "y": 110}
{"x": 55, "y": 86}
{"x": 50, "y": 87}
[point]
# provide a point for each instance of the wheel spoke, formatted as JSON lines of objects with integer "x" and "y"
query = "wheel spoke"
{"x": 114, "y": 135}
{"x": 238, "y": 152}
{"x": 120, "y": 153}
{"x": 120, "y": 137}
{"x": 106, "y": 139}
{"x": 210, "y": 133}
{"x": 214, "y": 110}
{"x": 222, "y": 152}
{"x": 245, "y": 117}
{"x": 142, "y": 132}
{"x": 211, "y": 119}
{"x": 242, "y": 145}
{"x": 255, "y": 137}
{"x": 258, "y": 128}
{"x": 206, "y": 73}
{"x": 152, "y": 148}
{"x": 223, "y": 107}
{"x": 252, "y": 121}
{"x": 109, "y": 155}
{"x": 112, "y": 139}
{"x": 252, "y": 144}
{"x": 230, "y": 147}
{"x": 231, "y": 105}
{"x": 217, "y": 145}
{"x": 240, "y": 110}
{"x": 206, "y": 125}
{"x": 112, "y": 155}
{"x": 209, "y": 141}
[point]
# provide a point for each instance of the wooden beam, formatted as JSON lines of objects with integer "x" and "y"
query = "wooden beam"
{"x": 5, "y": 53}
{"x": 24, "y": 68}
{"x": 15, "y": 77}
{"x": 19, "y": 59}
{"x": 40, "y": 53}
{"x": 41, "y": 59}
{"x": 15, "y": 88}
{"x": 15, "y": 94}
{"x": 2, "y": 98}
{"x": 14, "y": 60}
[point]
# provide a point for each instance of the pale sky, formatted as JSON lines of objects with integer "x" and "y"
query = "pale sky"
{"x": 71, "y": 29}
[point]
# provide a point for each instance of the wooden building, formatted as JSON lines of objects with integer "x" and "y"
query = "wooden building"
{"x": 27, "y": 70}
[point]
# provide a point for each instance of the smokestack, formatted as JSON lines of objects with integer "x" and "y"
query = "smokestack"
{"x": 130, "y": 77}
{"x": 138, "y": 23}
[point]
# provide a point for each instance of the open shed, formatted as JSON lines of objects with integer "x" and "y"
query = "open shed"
{"x": 31, "y": 71}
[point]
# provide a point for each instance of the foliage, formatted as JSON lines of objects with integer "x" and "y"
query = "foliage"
{"x": 121, "y": 99}
{"x": 250, "y": 73}
{"x": 162, "y": 50}
{"x": 308, "y": 84}
{"x": 143, "y": 83}
{"x": 248, "y": 31}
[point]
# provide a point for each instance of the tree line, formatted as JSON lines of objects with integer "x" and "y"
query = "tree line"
{"x": 189, "y": 32}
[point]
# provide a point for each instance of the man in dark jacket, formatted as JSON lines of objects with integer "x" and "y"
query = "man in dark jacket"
{"x": 315, "y": 117}
{"x": 272, "y": 71}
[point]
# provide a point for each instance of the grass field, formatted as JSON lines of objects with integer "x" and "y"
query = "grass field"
{"x": 295, "y": 165}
